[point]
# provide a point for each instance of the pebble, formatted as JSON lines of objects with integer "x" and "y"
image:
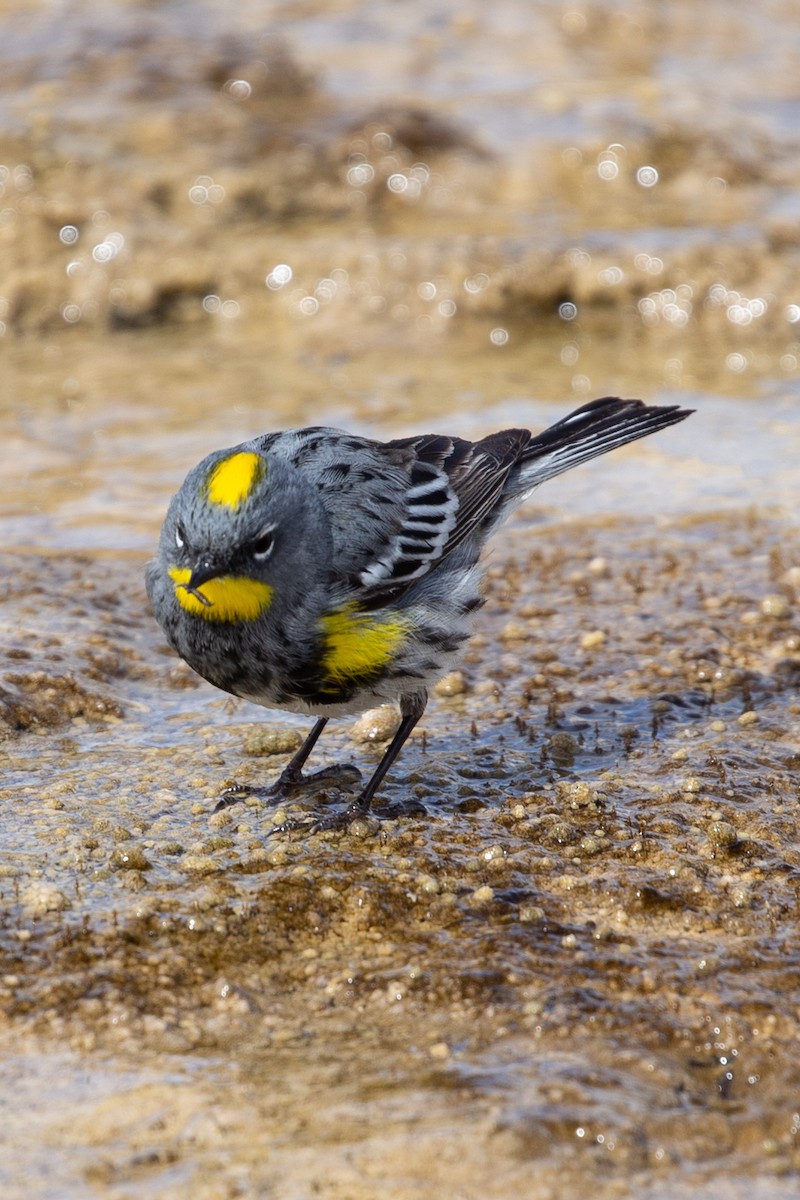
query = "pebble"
{"x": 722, "y": 833}
{"x": 593, "y": 640}
{"x": 452, "y": 684}
{"x": 376, "y": 725}
{"x": 199, "y": 864}
{"x": 40, "y": 898}
{"x": 775, "y": 605}
{"x": 513, "y": 631}
{"x": 266, "y": 740}
{"x": 129, "y": 859}
{"x": 747, "y": 718}
{"x": 598, "y": 566}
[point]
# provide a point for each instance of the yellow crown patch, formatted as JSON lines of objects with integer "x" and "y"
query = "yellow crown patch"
{"x": 233, "y": 479}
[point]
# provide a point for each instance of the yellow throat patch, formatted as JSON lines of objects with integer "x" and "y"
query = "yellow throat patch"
{"x": 233, "y": 479}
{"x": 357, "y": 646}
{"x": 231, "y": 597}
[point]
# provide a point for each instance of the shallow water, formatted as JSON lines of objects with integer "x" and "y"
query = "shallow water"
{"x": 579, "y": 970}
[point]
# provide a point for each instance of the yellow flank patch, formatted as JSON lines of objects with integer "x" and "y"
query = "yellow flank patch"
{"x": 231, "y": 597}
{"x": 358, "y": 645}
{"x": 233, "y": 479}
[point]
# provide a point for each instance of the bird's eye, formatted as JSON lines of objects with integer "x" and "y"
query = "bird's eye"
{"x": 262, "y": 545}
{"x": 180, "y": 536}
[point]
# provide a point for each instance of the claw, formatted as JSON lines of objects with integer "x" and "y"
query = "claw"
{"x": 342, "y": 777}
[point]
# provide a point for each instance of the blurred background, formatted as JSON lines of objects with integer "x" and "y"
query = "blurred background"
{"x": 218, "y": 220}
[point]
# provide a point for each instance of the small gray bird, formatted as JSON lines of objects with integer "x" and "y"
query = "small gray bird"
{"x": 324, "y": 573}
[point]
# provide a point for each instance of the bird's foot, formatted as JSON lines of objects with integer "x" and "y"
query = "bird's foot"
{"x": 343, "y": 777}
{"x": 346, "y": 817}
{"x": 336, "y": 820}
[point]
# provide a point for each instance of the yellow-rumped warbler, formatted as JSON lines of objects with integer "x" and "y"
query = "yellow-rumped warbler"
{"x": 324, "y": 573}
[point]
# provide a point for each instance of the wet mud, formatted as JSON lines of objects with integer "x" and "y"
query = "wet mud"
{"x": 580, "y": 963}
{"x": 562, "y": 958}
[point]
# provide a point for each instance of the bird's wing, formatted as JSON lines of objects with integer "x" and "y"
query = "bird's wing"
{"x": 396, "y": 508}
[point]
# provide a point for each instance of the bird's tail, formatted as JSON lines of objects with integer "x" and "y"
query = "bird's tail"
{"x": 587, "y": 432}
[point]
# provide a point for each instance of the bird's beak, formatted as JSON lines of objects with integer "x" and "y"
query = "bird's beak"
{"x": 203, "y": 570}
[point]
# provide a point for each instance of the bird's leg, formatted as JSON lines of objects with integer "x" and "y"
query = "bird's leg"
{"x": 411, "y": 709}
{"x": 344, "y": 777}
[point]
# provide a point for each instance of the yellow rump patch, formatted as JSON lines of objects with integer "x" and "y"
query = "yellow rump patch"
{"x": 358, "y": 645}
{"x": 231, "y": 597}
{"x": 233, "y": 479}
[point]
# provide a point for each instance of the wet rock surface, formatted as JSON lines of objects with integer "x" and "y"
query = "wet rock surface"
{"x": 580, "y": 960}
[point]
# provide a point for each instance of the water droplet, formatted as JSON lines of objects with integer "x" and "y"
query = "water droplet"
{"x": 498, "y": 337}
{"x": 238, "y": 89}
{"x": 608, "y": 169}
{"x": 611, "y": 276}
{"x": 568, "y": 311}
{"x": 426, "y": 291}
{"x": 211, "y": 303}
{"x": 736, "y": 362}
{"x": 476, "y": 283}
{"x": 360, "y": 174}
{"x": 325, "y": 290}
{"x": 69, "y": 234}
{"x": 647, "y": 177}
{"x": 279, "y": 276}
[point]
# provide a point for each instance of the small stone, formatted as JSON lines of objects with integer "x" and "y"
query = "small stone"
{"x": 747, "y": 718}
{"x": 199, "y": 864}
{"x": 722, "y": 833}
{"x": 562, "y": 833}
{"x": 376, "y": 725}
{"x": 513, "y": 631}
{"x": 598, "y": 566}
{"x": 131, "y": 858}
{"x": 775, "y": 605}
{"x": 718, "y": 726}
{"x": 482, "y": 895}
{"x": 40, "y": 898}
{"x": 452, "y": 684}
{"x": 529, "y": 913}
{"x": 574, "y": 794}
{"x": 590, "y": 845}
{"x": 691, "y": 784}
{"x": 593, "y": 640}
{"x": 364, "y": 827}
{"x": 263, "y": 741}
{"x": 439, "y": 1050}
